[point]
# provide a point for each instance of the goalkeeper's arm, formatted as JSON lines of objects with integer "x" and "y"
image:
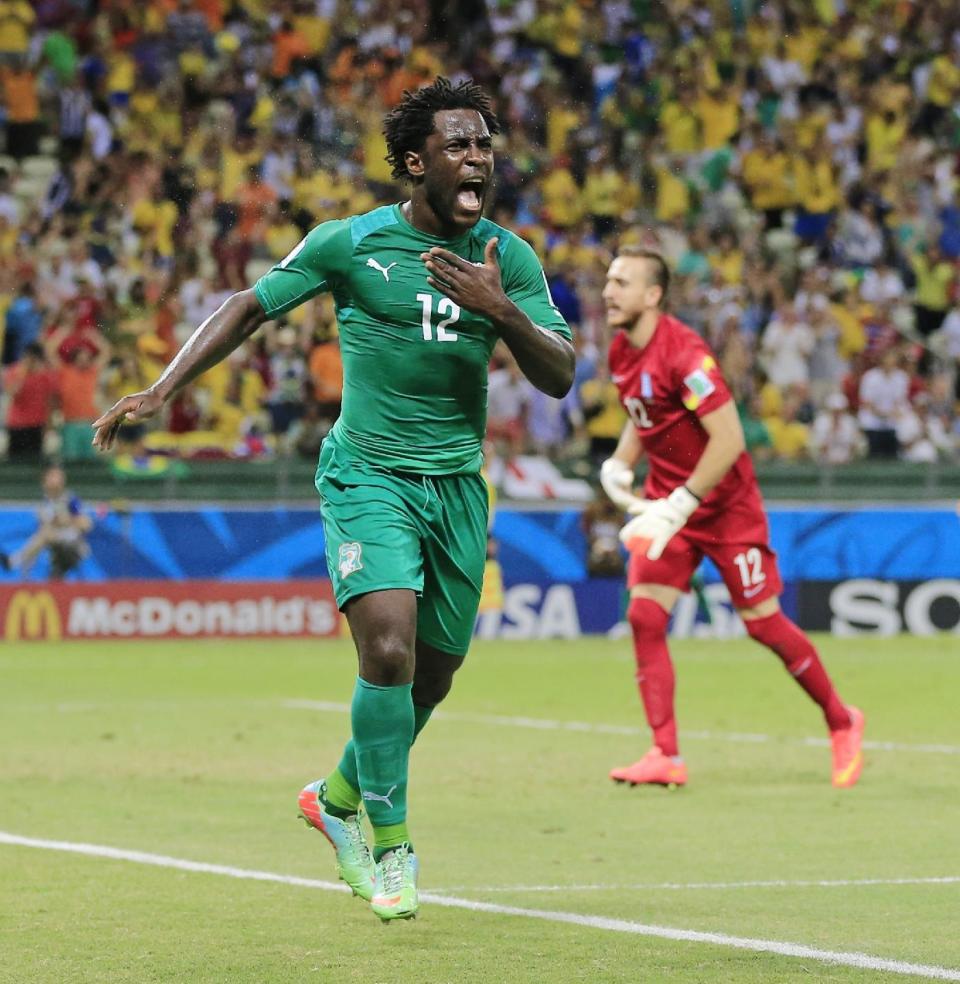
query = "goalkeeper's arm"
{"x": 617, "y": 472}
{"x": 660, "y": 520}
{"x": 724, "y": 445}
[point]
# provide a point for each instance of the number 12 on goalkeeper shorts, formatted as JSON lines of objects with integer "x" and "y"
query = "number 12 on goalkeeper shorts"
{"x": 750, "y": 564}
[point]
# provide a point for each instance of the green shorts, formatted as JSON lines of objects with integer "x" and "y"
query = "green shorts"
{"x": 387, "y": 529}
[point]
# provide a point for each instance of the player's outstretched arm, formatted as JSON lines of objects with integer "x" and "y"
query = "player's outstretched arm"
{"x": 544, "y": 357}
{"x": 232, "y": 323}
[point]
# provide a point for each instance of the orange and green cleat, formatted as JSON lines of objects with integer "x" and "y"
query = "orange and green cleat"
{"x": 654, "y": 769}
{"x": 354, "y": 861}
{"x": 395, "y": 889}
{"x": 848, "y": 750}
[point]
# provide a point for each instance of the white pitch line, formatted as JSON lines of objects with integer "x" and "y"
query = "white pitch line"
{"x": 678, "y": 886}
{"x": 587, "y": 727}
{"x": 862, "y": 961}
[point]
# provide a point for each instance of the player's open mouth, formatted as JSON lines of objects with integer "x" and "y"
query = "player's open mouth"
{"x": 470, "y": 195}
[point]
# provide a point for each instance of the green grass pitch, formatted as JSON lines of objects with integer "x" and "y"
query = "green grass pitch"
{"x": 197, "y": 751}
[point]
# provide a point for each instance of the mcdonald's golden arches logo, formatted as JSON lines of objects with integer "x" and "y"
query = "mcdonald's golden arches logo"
{"x": 32, "y": 615}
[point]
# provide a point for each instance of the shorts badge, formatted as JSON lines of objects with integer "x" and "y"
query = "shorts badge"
{"x": 348, "y": 559}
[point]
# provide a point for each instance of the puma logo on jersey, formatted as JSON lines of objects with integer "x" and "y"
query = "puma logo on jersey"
{"x": 385, "y": 270}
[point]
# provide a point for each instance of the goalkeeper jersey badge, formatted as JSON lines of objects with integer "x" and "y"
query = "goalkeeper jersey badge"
{"x": 700, "y": 386}
{"x": 348, "y": 559}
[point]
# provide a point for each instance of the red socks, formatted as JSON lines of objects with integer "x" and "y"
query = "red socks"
{"x": 778, "y": 633}
{"x": 654, "y": 670}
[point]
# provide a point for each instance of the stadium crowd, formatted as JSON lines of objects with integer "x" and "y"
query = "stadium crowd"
{"x": 797, "y": 162}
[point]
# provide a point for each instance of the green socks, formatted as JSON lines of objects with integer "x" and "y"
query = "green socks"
{"x": 387, "y": 838}
{"x": 343, "y": 784}
{"x": 382, "y": 720}
{"x": 340, "y": 797}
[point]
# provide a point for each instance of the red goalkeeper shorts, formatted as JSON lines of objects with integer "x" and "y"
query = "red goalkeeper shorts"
{"x": 735, "y": 537}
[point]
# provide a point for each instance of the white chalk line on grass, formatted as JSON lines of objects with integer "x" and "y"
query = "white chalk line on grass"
{"x": 587, "y": 727}
{"x": 680, "y": 886}
{"x": 861, "y": 961}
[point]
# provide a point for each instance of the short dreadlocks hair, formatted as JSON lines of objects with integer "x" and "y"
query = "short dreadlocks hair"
{"x": 407, "y": 125}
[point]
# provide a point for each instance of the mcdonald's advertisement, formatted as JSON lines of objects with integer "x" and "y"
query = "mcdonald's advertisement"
{"x": 172, "y": 610}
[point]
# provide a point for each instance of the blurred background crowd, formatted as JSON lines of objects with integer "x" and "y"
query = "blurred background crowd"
{"x": 796, "y": 161}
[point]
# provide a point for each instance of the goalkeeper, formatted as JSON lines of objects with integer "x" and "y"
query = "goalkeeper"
{"x": 702, "y": 498}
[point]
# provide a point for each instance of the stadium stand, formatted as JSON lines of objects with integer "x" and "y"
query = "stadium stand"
{"x": 796, "y": 162}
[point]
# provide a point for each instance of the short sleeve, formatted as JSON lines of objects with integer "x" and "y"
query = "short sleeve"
{"x": 312, "y": 267}
{"x": 525, "y": 284}
{"x": 702, "y": 386}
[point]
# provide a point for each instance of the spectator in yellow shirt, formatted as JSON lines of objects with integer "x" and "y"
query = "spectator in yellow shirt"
{"x": 769, "y": 181}
{"x": 604, "y": 415}
{"x": 561, "y": 195}
{"x": 16, "y": 22}
{"x": 673, "y": 191}
{"x": 885, "y": 134}
{"x": 718, "y": 111}
{"x": 121, "y": 78}
{"x": 943, "y": 88}
{"x": 605, "y": 196}
{"x": 727, "y": 259}
{"x": 846, "y": 310}
{"x": 790, "y": 438}
{"x": 804, "y": 45}
{"x": 282, "y": 233}
{"x": 680, "y": 123}
{"x": 154, "y": 219}
{"x": 935, "y": 276}
{"x": 817, "y": 191}
{"x": 235, "y": 163}
{"x": 561, "y": 122}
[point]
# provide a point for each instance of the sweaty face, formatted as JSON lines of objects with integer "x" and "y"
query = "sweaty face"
{"x": 629, "y": 293}
{"x": 457, "y": 165}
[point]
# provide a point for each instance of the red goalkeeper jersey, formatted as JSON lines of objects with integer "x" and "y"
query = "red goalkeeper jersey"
{"x": 666, "y": 387}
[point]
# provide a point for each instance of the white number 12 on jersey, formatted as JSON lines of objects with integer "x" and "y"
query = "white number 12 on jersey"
{"x": 637, "y": 411}
{"x": 446, "y": 306}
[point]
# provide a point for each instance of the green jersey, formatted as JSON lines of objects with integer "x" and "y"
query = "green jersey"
{"x": 414, "y": 363}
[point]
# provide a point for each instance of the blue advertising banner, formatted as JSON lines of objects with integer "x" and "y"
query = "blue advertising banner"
{"x": 238, "y": 544}
{"x": 844, "y": 570}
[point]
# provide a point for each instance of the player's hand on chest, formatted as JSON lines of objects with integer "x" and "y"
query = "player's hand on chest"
{"x": 392, "y": 286}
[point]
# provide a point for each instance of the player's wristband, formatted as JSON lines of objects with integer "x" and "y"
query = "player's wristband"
{"x": 684, "y": 501}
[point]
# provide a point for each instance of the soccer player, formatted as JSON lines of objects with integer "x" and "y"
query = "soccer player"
{"x": 701, "y": 498}
{"x": 423, "y": 291}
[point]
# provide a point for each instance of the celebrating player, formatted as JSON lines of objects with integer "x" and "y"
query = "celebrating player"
{"x": 701, "y": 497}
{"x": 423, "y": 291}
